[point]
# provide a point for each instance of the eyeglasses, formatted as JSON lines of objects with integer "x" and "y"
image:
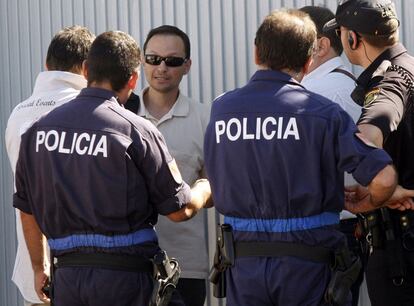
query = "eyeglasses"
{"x": 338, "y": 32}
{"x": 170, "y": 61}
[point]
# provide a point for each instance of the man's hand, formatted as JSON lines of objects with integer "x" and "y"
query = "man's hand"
{"x": 41, "y": 280}
{"x": 205, "y": 188}
{"x": 200, "y": 198}
{"x": 401, "y": 199}
{"x": 357, "y": 199}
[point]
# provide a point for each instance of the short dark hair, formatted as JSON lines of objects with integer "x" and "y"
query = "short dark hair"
{"x": 69, "y": 48}
{"x": 114, "y": 57}
{"x": 285, "y": 39}
{"x": 386, "y": 40}
{"x": 320, "y": 16}
{"x": 170, "y": 30}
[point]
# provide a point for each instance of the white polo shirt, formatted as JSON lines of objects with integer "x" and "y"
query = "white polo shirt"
{"x": 337, "y": 87}
{"x": 183, "y": 128}
{"x": 52, "y": 88}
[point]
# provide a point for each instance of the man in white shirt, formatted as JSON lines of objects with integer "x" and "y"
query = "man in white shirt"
{"x": 329, "y": 77}
{"x": 59, "y": 84}
{"x": 182, "y": 121}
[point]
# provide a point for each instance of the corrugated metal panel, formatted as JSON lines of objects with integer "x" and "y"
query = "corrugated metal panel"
{"x": 221, "y": 32}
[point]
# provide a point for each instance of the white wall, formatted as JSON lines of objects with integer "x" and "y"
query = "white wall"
{"x": 221, "y": 33}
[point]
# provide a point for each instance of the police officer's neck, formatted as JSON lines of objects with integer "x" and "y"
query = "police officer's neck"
{"x": 297, "y": 75}
{"x": 368, "y": 53}
{"x": 121, "y": 95}
{"x": 158, "y": 103}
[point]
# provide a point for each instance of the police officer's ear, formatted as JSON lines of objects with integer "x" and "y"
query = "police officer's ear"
{"x": 353, "y": 40}
{"x": 85, "y": 69}
{"x": 323, "y": 46}
{"x": 133, "y": 80}
{"x": 256, "y": 57}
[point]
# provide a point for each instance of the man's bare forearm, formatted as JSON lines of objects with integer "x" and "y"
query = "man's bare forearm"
{"x": 34, "y": 240}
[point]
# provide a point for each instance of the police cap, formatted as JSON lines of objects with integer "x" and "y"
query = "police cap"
{"x": 365, "y": 16}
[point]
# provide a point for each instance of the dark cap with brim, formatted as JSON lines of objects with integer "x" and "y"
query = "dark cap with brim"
{"x": 365, "y": 16}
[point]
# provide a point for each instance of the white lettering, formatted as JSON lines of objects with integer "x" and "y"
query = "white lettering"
{"x": 91, "y": 144}
{"x": 62, "y": 149}
{"x": 56, "y": 140}
{"x": 238, "y": 129}
{"x": 258, "y": 125}
{"x": 40, "y": 138}
{"x": 245, "y": 135}
{"x": 101, "y": 147}
{"x": 267, "y": 128}
{"x": 266, "y": 135}
{"x": 220, "y": 129}
{"x": 75, "y": 135}
{"x": 82, "y": 144}
{"x": 78, "y": 143}
{"x": 279, "y": 128}
{"x": 291, "y": 129}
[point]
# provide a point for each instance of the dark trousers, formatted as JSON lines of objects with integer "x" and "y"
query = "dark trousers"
{"x": 285, "y": 281}
{"x": 347, "y": 227}
{"x": 381, "y": 289}
{"x": 190, "y": 291}
{"x": 74, "y": 286}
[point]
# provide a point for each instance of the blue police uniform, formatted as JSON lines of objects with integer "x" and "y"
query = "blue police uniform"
{"x": 95, "y": 177}
{"x": 275, "y": 156}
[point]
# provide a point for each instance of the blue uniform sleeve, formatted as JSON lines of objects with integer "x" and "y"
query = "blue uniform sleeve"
{"x": 167, "y": 191}
{"x": 354, "y": 156}
{"x": 20, "y": 197}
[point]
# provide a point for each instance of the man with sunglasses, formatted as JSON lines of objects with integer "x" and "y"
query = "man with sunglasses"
{"x": 93, "y": 177}
{"x": 182, "y": 121}
{"x": 369, "y": 35}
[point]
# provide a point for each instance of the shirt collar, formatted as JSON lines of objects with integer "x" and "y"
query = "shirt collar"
{"x": 273, "y": 75}
{"x": 181, "y": 108}
{"x": 324, "y": 69}
{"x": 100, "y": 93}
{"x": 56, "y": 80}
{"x": 388, "y": 54}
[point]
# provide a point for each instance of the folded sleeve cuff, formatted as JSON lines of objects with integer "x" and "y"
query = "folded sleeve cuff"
{"x": 175, "y": 203}
{"x": 21, "y": 204}
{"x": 370, "y": 166}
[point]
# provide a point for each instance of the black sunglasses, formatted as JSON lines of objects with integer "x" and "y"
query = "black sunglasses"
{"x": 170, "y": 61}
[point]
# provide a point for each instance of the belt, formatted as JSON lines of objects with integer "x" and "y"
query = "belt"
{"x": 105, "y": 261}
{"x": 278, "y": 249}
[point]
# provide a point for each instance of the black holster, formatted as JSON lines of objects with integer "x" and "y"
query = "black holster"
{"x": 166, "y": 275}
{"x": 345, "y": 271}
{"x": 223, "y": 259}
{"x": 386, "y": 230}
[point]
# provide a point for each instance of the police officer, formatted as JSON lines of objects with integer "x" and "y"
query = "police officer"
{"x": 93, "y": 177}
{"x": 275, "y": 156}
{"x": 369, "y": 34}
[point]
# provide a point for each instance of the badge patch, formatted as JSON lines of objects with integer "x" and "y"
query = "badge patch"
{"x": 371, "y": 96}
{"x": 175, "y": 172}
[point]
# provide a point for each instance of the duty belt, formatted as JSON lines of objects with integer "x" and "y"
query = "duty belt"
{"x": 105, "y": 261}
{"x": 277, "y": 249}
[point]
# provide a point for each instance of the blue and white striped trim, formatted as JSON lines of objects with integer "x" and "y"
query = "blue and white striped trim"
{"x": 282, "y": 225}
{"x": 97, "y": 240}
